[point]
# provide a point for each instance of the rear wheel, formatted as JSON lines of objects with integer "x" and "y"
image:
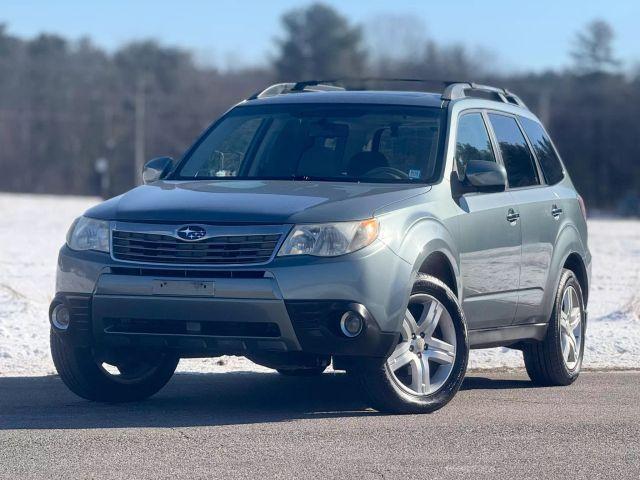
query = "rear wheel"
{"x": 428, "y": 364}
{"x": 130, "y": 378}
{"x": 558, "y": 358}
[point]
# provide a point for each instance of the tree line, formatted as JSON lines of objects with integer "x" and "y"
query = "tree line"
{"x": 74, "y": 118}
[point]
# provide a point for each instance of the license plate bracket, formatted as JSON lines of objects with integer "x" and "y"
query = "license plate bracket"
{"x": 184, "y": 288}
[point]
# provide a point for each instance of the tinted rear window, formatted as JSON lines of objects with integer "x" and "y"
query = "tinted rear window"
{"x": 517, "y": 158}
{"x": 543, "y": 148}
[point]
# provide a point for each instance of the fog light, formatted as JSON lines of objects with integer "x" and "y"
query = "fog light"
{"x": 60, "y": 317}
{"x": 351, "y": 324}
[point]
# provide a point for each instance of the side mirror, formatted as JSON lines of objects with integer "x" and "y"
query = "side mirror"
{"x": 486, "y": 176}
{"x": 156, "y": 169}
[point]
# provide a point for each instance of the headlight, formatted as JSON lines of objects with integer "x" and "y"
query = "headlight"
{"x": 89, "y": 234}
{"x": 330, "y": 239}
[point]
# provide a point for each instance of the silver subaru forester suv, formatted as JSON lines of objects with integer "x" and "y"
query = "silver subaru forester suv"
{"x": 383, "y": 232}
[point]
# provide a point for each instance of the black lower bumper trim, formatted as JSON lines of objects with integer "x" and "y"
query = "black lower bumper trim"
{"x": 184, "y": 327}
{"x": 79, "y": 305}
{"x": 317, "y": 326}
{"x": 188, "y": 346}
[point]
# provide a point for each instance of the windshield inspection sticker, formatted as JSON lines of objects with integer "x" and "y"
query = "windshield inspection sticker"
{"x": 414, "y": 174}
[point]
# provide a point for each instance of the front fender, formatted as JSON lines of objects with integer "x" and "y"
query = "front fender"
{"x": 422, "y": 238}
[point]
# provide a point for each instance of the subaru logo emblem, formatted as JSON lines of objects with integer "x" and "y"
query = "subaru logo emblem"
{"x": 191, "y": 232}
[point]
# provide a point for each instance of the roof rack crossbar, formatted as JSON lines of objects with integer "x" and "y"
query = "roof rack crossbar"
{"x": 331, "y": 85}
{"x": 375, "y": 79}
{"x": 454, "y": 90}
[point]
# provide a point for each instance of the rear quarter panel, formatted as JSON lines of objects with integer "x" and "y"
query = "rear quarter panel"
{"x": 572, "y": 238}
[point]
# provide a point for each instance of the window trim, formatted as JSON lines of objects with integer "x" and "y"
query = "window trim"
{"x": 541, "y": 179}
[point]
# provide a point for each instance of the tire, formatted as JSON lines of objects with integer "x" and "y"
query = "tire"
{"x": 546, "y": 361}
{"x": 388, "y": 390}
{"x": 84, "y": 376}
{"x": 302, "y": 372}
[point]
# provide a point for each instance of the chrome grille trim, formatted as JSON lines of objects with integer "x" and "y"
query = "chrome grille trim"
{"x": 152, "y": 244}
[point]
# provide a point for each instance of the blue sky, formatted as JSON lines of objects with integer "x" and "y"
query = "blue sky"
{"x": 533, "y": 34}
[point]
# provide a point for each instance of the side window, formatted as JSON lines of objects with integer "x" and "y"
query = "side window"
{"x": 518, "y": 159}
{"x": 472, "y": 142}
{"x": 543, "y": 148}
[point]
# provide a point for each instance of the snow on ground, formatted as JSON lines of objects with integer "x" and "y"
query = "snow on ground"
{"x": 33, "y": 228}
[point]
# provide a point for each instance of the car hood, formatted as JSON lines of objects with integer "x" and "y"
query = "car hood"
{"x": 252, "y": 201}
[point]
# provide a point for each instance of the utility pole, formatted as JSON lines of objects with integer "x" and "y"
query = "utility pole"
{"x": 140, "y": 106}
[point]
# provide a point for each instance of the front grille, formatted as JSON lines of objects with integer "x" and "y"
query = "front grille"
{"x": 221, "y": 250}
{"x": 184, "y": 273}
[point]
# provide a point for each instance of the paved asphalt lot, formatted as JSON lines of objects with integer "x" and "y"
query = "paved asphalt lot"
{"x": 250, "y": 425}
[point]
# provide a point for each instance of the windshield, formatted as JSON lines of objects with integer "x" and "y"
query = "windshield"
{"x": 369, "y": 143}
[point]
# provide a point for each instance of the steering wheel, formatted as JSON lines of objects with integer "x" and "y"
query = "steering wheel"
{"x": 383, "y": 172}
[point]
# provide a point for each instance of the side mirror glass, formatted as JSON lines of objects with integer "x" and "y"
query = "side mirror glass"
{"x": 156, "y": 169}
{"x": 485, "y": 175}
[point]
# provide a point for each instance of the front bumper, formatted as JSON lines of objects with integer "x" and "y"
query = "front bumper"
{"x": 292, "y": 305}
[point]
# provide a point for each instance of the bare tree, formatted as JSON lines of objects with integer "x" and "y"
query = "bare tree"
{"x": 593, "y": 50}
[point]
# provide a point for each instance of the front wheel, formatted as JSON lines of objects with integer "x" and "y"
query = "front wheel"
{"x": 427, "y": 366}
{"x": 134, "y": 377}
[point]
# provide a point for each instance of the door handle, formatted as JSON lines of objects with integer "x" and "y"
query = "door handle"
{"x": 556, "y": 212}
{"x": 512, "y": 216}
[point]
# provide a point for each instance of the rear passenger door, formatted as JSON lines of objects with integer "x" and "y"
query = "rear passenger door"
{"x": 559, "y": 198}
{"x": 536, "y": 203}
{"x": 489, "y": 243}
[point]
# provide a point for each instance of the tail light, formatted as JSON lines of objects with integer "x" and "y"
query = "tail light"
{"x": 583, "y": 208}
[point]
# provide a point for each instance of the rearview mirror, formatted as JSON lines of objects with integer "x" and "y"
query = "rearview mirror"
{"x": 485, "y": 175}
{"x": 156, "y": 169}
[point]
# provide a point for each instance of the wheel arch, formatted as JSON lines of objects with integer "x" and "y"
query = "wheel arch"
{"x": 575, "y": 263}
{"x": 437, "y": 256}
{"x": 569, "y": 252}
{"x": 438, "y": 265}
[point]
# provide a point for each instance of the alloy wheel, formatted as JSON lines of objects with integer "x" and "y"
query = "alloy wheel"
{"x": 571, "y": 327}
{"x": 425, "y": 355}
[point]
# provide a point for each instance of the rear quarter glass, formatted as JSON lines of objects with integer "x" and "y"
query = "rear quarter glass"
{"x": 544, "y": 150}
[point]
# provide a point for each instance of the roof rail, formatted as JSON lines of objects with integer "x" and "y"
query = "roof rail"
{"x": 330, "y": 85}
{"x": 452, "y": 91}
{"x": 455, "y": 91}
